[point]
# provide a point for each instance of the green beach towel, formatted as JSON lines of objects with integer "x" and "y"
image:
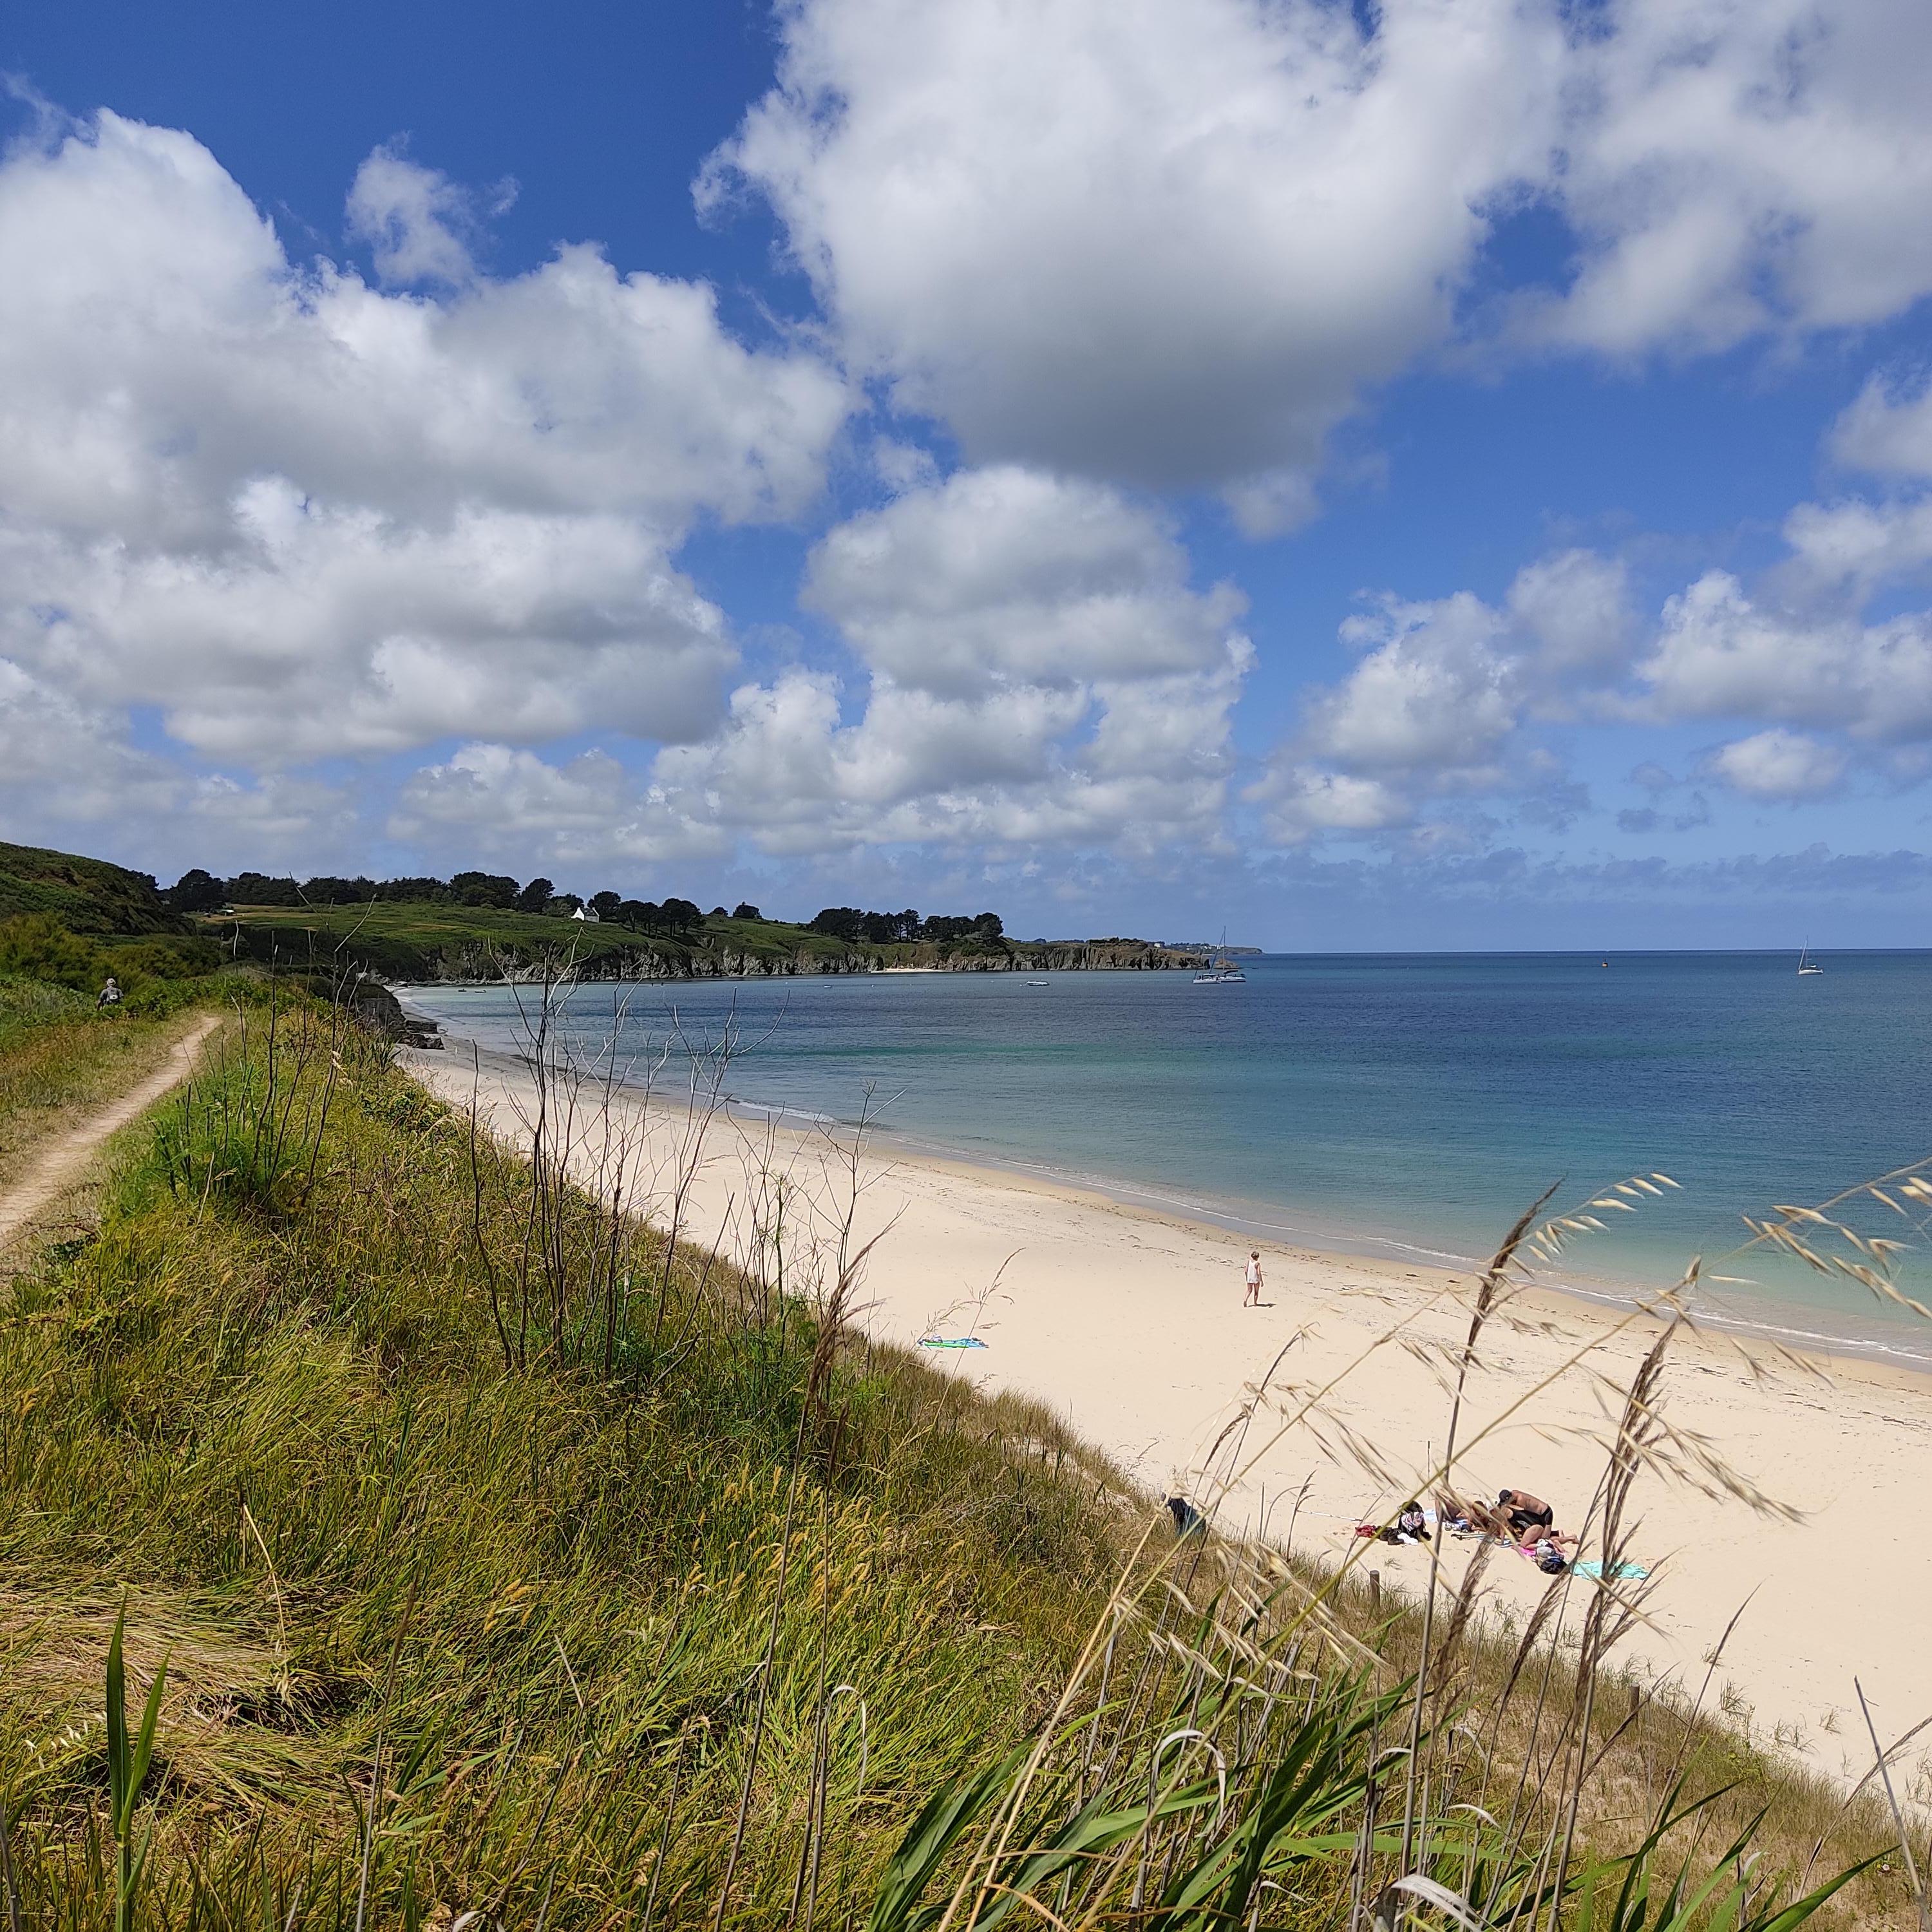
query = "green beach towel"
{"x": 1634, "y": 1572}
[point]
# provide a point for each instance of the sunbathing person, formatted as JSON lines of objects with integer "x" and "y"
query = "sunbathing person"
{"x": 1477, "y": 1517}
{"x": 1523, "y": 1512}
{"x": 1551, "y": 1551}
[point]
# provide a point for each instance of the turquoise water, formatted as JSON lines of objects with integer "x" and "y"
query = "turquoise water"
{"x": 1398, "y": 1104}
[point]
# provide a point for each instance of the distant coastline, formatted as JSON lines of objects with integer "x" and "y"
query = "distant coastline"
{"x": 417, "y": 943}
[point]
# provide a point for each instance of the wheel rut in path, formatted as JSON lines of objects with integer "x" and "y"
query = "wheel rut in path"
{"x": 64, "y": 1160}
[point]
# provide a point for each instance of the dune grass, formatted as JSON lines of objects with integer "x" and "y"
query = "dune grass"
{"x": 509, "y": 1557}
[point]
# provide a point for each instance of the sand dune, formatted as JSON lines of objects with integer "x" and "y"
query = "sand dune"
{"x": 1130, "y": 1324}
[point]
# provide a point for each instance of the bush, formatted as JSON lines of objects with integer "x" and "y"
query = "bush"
{"x": 152, "y": 972}
{"x": 186, "y": 958}
{"x": 36, "y": 946}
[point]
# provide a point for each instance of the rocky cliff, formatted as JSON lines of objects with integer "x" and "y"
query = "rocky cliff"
{"x": 477, "y": 962}
{"x": 640, "y": 963}
{"x": 1097, "y": 956}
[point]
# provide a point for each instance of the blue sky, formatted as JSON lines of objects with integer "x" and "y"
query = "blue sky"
{"x": 1453, "y": 479}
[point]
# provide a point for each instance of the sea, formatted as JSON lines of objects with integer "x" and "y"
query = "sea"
{"x": 1404, "y": 1105}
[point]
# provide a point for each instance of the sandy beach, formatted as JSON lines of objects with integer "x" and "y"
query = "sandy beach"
{"x": 1129, "y": 1324}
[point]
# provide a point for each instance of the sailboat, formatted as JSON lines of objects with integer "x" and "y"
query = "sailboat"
{"x": 1805, "y": 968}
{"x": 1222, "y": 971}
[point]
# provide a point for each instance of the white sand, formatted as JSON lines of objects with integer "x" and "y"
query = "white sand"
{"x": 1129, "y": 1324}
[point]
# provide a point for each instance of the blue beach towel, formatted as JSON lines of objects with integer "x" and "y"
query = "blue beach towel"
{"x": 951, "y": 1341}
{"x": 1633, "y": 1573}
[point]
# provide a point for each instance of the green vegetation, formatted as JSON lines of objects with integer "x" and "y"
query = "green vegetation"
{"x": 420, "y": 940}
{"x": 71, "y": 922}
{"x": 270, "y": 1401}
{"x": 423, "y": 940}
{"x": 86, "y": 895}
{"x": 86, "y": 919}
{"x": 66, "y": 925}
{"x": 507, "y": 1557}
{"x": 60, "y": 1055}
{"x": 150, "y": 973}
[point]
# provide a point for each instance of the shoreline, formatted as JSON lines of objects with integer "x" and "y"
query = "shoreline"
{"x": 1316, "y": 1247}
{"x": 1126, "y": 1318}
{"x": 1881, "y": 1344}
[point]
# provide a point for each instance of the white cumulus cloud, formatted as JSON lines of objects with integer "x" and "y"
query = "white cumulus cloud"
{"x": 1780, "y": 764}
{"x": 508, "y": 804}
{"x": 416, "y": 221}
{"x": 1720, "y": 653}
{"x": 1160, "y": 243}
{"x": 1434, "y": 707}
{"x": 1035, "y": 670}
{"x": 1040, "y": 671}
{"x": 302, "y": 517}
{"x": 1733, "y": 167}
{"x": 1888, "y": 430}
{"x": 1008, "y": 574}
{"x": 1175, "y": 244}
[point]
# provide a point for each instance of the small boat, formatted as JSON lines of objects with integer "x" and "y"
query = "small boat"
{"x": 1040, "y": 982}
{"x": 1223, "y": 971}
{"x": 1805, "y": 968}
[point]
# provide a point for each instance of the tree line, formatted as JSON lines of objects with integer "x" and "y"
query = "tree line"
{"x": 883, "y": 928}
{"x": 197, "y": 891}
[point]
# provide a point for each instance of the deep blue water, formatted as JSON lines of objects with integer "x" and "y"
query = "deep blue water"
{"x": 1415, "y": 1101}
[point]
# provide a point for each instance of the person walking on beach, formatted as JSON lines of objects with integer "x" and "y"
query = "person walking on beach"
{"x": 1253, "y": 1299}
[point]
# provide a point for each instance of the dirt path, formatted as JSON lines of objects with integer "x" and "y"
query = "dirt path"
{"x": 64, "y": 1161}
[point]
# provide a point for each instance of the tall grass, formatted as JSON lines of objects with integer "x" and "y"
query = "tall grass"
{"x": 513, "y": 1555}
{"x": 58, "y": 1055}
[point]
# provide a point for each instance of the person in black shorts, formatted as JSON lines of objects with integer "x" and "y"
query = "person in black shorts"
{"x": 1524, "y": 1513}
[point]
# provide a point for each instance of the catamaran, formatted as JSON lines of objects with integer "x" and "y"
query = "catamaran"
{"x": 1222, "y": 971}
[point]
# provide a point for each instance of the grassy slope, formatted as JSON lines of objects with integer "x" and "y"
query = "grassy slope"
{"x": 402, "y": 940}
{"x": 529, "y": 1604}
{"x": 418, "y": 940}
{"x": 86, "y": 895}
{"x": 276, "y": 1408}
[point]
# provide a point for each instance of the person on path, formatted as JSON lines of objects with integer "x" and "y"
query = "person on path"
{"x": 1253, "y": 1299}
{"x": 110, "y": 994}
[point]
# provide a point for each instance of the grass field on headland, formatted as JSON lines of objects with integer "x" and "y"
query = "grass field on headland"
{"x": 506, "y": 1557}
